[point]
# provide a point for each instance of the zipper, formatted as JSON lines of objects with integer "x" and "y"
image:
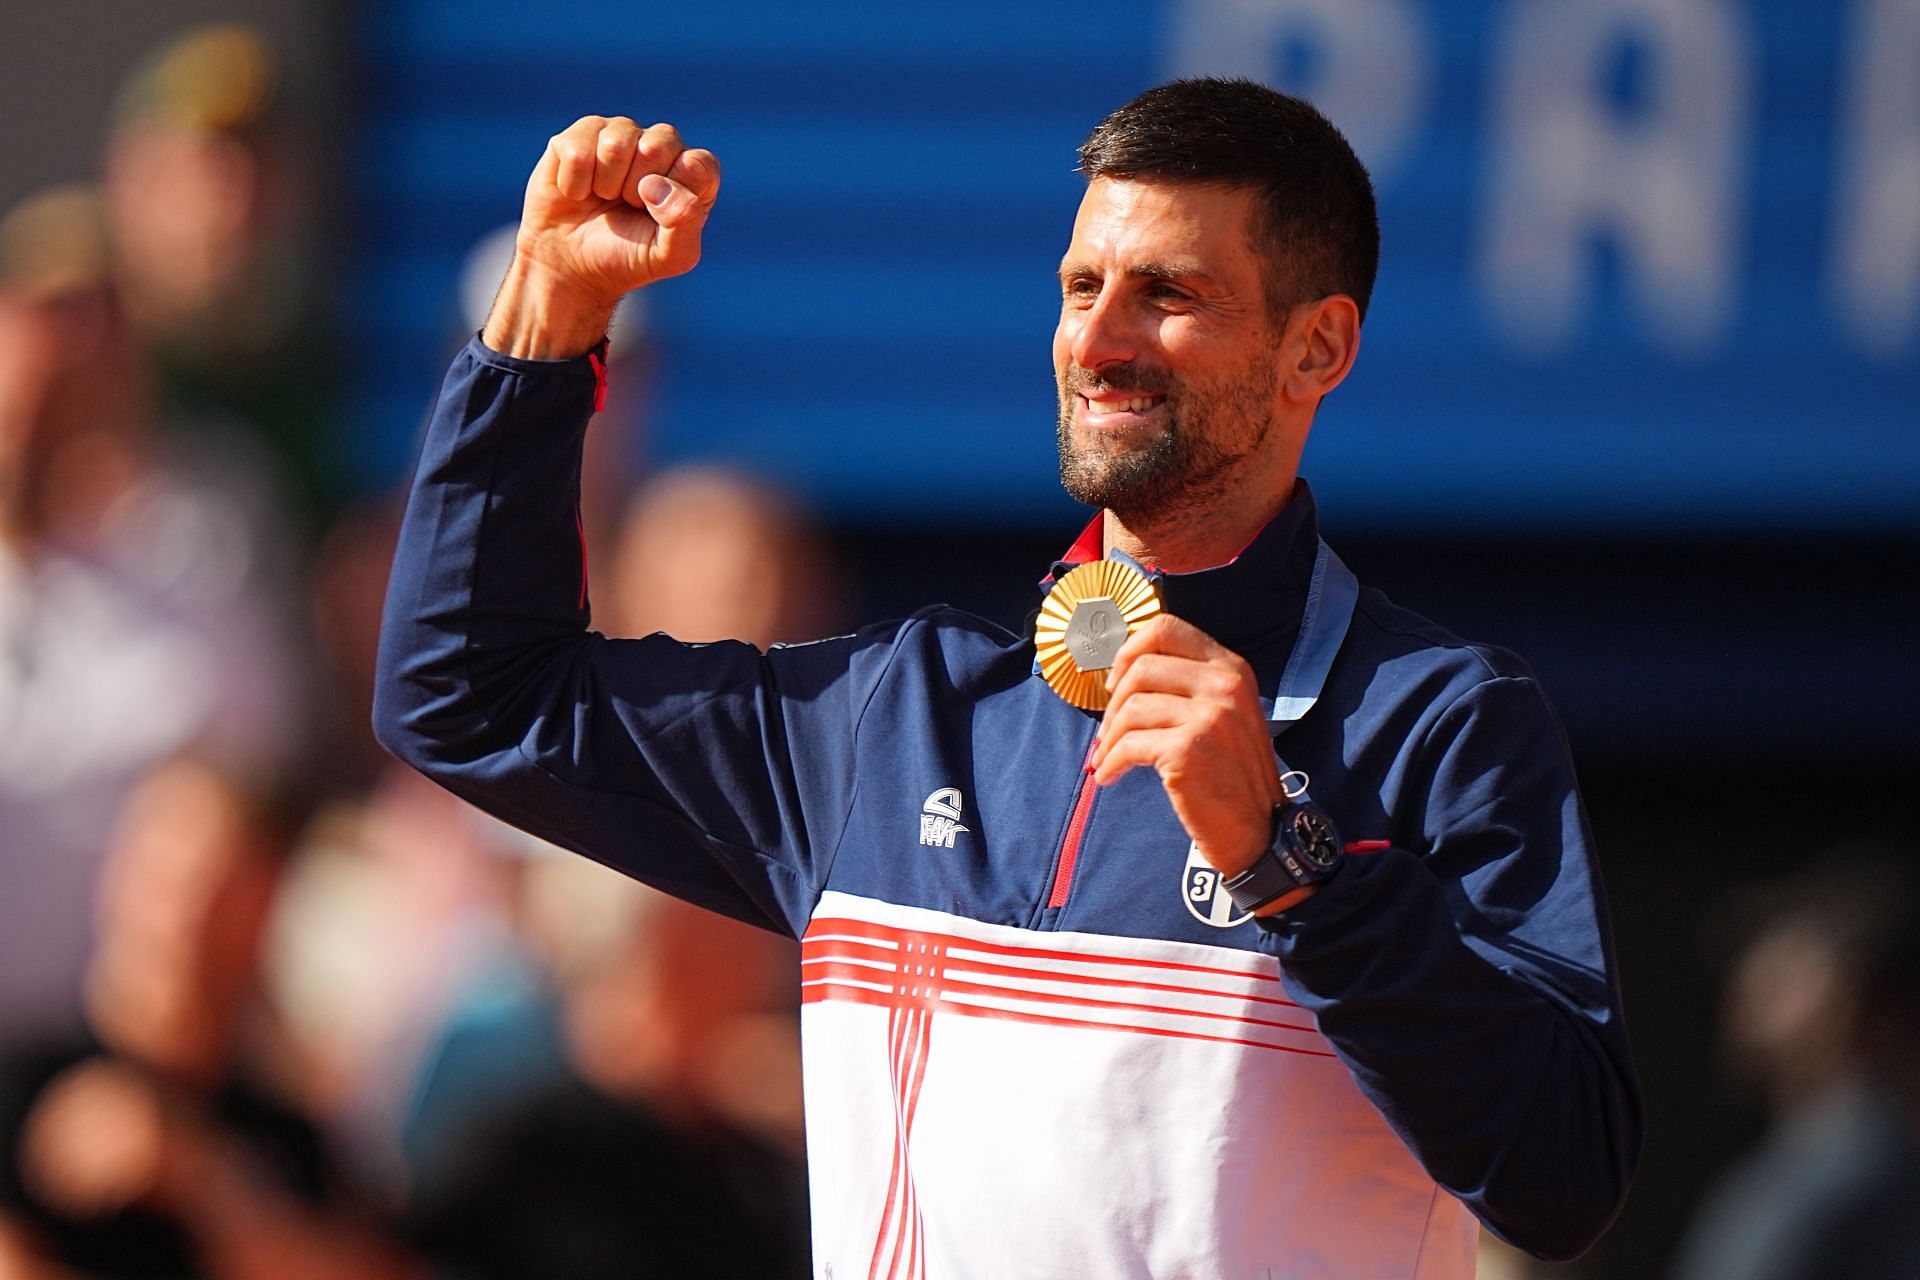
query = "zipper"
{"x": 1076, "y": 826}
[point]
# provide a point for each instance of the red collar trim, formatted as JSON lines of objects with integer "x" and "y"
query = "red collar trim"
{"x": 1091, "y": 545}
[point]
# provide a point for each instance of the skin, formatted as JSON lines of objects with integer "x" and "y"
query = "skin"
{"x": 1161, "y": 296}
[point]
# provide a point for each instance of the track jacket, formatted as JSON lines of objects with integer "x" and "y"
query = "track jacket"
{"x": 1038, "y": 1040}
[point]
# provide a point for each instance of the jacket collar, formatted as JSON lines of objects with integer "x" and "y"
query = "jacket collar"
{"x": 1253, "y": 601}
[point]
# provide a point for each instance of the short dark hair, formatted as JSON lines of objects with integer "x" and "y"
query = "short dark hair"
{"x": 1317, "y": 224}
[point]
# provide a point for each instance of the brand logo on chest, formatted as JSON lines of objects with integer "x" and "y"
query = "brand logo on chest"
{"x": 940, "y": 818}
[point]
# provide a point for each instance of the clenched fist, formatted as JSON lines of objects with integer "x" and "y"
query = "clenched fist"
{"x": 609, "y": 208}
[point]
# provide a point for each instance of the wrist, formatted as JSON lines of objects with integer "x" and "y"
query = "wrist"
{"x": 1303, "y": 852}
{"x": 538, "y": 316}
{"x": 1287, "y": 900}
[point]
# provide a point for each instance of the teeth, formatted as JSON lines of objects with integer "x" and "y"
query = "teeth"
{"x": 1139, "y": 404}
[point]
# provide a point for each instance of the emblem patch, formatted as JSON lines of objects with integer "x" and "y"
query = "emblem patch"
{"x": 940, "y": 818}
{"x": 1205, "y": 892}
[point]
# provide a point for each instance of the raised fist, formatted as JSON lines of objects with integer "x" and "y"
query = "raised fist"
{"x": 609, "y": 208}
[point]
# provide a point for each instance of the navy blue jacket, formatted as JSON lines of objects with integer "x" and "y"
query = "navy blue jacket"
{"x": 1461, "y": 967}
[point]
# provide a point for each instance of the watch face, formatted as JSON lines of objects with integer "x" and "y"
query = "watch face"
{"x": 1319, "y": 844}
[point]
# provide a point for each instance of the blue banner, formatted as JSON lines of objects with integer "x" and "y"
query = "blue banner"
{"x": 1648, "y": 264}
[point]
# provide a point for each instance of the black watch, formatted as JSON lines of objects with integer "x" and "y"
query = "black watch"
{"x": 1305, "y": 850}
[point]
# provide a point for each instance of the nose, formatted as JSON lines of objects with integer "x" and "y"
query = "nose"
{"x": 1102, "y": 335}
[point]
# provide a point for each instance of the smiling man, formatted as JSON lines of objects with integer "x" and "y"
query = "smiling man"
{"x": 1144, "y": 1008}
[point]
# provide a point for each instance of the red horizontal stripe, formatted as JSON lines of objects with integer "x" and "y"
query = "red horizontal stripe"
{"x": 890, "y": 933}
{"x": 839, "y": 948}
{"x": 948, "y": 984}
{"x": 1368, "y": 846}
{"x": 835, "y": 992}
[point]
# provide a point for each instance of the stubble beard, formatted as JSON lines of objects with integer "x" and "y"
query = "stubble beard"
{"x": 1186, "y": 467}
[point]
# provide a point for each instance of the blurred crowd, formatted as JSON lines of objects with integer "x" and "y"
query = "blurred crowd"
{"x": 272, "y": 1006}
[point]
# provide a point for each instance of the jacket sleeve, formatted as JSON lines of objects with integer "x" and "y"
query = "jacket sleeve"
{"x": 1470, "y": 989}
{"x": 677, "y": 764}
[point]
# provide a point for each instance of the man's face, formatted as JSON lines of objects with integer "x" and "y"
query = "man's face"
{"x": 1164, "y": 355}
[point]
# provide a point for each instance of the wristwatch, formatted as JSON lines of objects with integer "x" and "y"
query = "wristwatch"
{"x": 1305, "y": 850}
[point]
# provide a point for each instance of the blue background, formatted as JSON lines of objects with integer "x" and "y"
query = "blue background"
{"x": 872, "y": 318}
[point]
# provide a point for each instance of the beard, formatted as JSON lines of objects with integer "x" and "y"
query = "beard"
{"x": 1206, "y": 430}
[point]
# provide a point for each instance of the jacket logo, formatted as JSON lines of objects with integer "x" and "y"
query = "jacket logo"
{"x": 940, "y": 818}
{"x": 1204, "y": 890}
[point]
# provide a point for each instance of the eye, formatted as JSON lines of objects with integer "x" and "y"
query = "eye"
{"x": 1080, "y": 288}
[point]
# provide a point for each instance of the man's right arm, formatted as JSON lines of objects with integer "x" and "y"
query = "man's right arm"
{"x": 714, "y": 772}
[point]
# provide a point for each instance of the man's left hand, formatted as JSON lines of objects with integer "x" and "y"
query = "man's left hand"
{"x": 1188, "y": 706}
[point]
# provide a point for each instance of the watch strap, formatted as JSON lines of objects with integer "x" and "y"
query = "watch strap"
{"x": 1288, "y": 862}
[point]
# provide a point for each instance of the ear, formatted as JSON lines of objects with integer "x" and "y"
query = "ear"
{"x": 1322, "y": 341}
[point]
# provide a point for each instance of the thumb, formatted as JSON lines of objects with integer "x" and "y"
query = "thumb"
{"x": 678, "y": 213}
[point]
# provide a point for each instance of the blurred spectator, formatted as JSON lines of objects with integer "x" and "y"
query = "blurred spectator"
{"x": 134, "y": 612}
{"x": 205, "y": 210}
{"x": 160, "y": 1145}
{"x": 397, "y": 943}
{"x": 671, "y": 1149}
{"x": 345, "y": 590}
{"x": 189, "y": 514}
{"x": 1823, "y": 1015}
{"x": 398, "y": 960}
{"x": 708, "y": 554}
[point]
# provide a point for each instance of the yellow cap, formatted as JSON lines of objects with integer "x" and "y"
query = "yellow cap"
{"x": 216, "y": 79}
{"x": 55, "y": 243}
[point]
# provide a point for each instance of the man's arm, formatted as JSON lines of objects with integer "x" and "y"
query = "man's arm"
{"x": 675, "y": 763}
{"x": 1470, "y": 989}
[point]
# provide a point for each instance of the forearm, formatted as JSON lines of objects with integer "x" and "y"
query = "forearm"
{"x": 1516, "y": 1097}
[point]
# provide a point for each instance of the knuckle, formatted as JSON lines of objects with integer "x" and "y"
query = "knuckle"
{"x": 699, "y": 168}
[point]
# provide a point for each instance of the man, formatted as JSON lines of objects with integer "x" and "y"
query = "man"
{"x": 1039, "y": 1039}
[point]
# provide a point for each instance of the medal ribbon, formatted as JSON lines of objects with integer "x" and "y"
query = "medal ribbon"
{"x": 1331, "y": 595}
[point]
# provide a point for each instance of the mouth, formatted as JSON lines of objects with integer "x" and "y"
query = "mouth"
{"x": 1117, "y": 410}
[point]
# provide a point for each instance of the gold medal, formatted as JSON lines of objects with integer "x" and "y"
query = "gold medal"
{"x": 1086, "y": 618}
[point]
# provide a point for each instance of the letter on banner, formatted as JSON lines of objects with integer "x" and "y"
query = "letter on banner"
{"x": 1664, "y": 186}
{"x": 1373, "y": 53}
{"x": 1876, "y": 271}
